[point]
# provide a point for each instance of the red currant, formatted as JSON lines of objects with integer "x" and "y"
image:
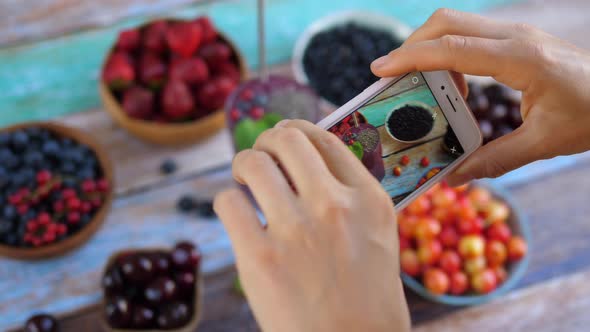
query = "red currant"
{"x": 256, "y": 112}
{"x": 43, "y": 177}
{"x": 88, "y": 186}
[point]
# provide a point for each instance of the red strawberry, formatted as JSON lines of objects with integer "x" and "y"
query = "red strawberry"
{"x": 215, "y": 54}
{"x": 177, "y": 100}
{"x": 128, "y": 40}
{"x": 138, "y": 102}
{"x": 211, "y": 96}
{"x": 118, "y": 72}
{"x": 154, "y": 36}
{"x": 190, "y": 70}
{"x": 228, "y": 69}
{"x": 152, "y": 69}
{"x": 184, "y": 38}
{"x": 209, "y": 32}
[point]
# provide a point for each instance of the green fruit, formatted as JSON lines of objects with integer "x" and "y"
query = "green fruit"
{"x": 357, "y": 149}
{"x": 271, "y": 119}
{"x": 246, "y": 132}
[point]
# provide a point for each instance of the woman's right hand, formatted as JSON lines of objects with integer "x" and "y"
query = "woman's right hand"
{"x": 553, "y": 75}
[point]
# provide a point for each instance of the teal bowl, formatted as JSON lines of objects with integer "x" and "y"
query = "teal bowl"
{"x": 519, "y": 226}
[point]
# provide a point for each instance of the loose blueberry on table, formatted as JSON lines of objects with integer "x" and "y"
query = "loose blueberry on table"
{"x": 171, "y": 71}
{"x": 50, "y": 187}
{"x": 152, "y": 289}
{"x": 189, "y": 204}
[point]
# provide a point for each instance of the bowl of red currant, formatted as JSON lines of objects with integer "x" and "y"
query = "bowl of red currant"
{"x": 166, "y": 81}
{"x": 56, "y": 187}
{"x": 153, "y": 289}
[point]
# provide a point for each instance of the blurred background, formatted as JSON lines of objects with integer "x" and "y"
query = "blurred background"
{"x": 60, "y": 61}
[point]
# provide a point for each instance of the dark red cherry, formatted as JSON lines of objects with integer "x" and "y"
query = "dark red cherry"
{"x": 185, "y": 256}
{"x": 161, "y": 262}
{"x": 137, "y": 268}
{"x": 143, "y": 317}
{"x": 174, "y": 315}
{"x": 112, "y": 281}
{"x": 160, "y": 290}
{"x": 42, "y": 323}
{"x": 118, "y": 312}
{"x": 185, "y": 280}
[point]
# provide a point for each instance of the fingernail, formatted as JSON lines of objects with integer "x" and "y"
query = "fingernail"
{"x": 380, "y": 62}
{"x": 282, "y": 123}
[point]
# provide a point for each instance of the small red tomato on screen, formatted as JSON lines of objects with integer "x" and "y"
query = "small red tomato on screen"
{"x": 424, "y": 162}
{"x": 405, "y": 160}
{"x": 397, "y": 171}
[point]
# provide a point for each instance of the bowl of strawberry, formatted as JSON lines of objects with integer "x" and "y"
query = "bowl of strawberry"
{"x": 153, "y": 289}
{"x": 166, "y": 82}
{"x": 462, "y": 246}
{"x": 55, "y": 189}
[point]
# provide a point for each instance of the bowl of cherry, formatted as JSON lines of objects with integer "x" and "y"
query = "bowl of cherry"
{"x": 166, "y": 81}
{"x": 153, "y": 289}
{"x": 55, "y": 189}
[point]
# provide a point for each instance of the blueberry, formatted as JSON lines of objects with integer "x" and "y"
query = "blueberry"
{"x": 260, "y": 99}
{"x": 68, "y": 168}
{"x": 20, "y": 140}
{"x": 11, "y": 239}
{"x": 67, "y": 142}
{"x": 86, "y": 173}
{"x": 9, "y": 212}
{"x": 168, "y": 166}
{"x": 51, "y": 149}
{"x": 5, "y": 226}
{"x": 4, "y": 139}
{"x": 186, "y": 204}
{"x": 4, "y": 178}
{"x": 33, "y": 159}
{"x": 69, "y": 182}
{"x": 205, "y": 209}
{"x": 8, "y": 159}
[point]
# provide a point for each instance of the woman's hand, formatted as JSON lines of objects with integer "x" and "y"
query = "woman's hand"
{"x": 329, "y": 259}
{"x": 553, "y": 75}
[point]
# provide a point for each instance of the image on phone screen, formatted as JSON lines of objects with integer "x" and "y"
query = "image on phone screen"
{"x": 401, "y": 136}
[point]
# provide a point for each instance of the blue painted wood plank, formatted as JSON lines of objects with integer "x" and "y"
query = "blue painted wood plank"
{"x": 57, "y": 77}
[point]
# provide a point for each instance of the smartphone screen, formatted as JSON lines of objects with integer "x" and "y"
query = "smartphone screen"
{"x": 401, "y": 135}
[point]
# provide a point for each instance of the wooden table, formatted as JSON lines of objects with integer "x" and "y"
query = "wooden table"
{"x": 553, "y": 296}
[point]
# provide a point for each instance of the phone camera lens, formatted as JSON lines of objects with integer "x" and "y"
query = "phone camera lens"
{"x": 442, "y": 87}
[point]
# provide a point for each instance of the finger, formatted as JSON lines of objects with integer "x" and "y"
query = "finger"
{"x": 298, "y": 157}
{"x": 266, "y": 181}
{"x": 461, "y": 83}
{"x": 452, "y": 22}
{"x": 240, "y": 221}
{"x": 343, "y": 164}
{"x": 505, "y": 60}
{"x": 500, "y": 156}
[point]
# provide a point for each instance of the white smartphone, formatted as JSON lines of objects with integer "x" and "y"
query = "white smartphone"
{"x": 409, "y": 131}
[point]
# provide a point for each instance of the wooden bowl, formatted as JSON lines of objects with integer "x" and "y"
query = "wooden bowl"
{"x": 81, "y": 236}
{"x": 191, "y": 326}
{"x": 170, "y": 133}
{"x": 519, "y": 226}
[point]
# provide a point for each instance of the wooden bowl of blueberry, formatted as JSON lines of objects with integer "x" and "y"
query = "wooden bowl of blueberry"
{"x": 166, "y": 82}
{"x": 55, "y": 189}
{"x": 153, "y": 289}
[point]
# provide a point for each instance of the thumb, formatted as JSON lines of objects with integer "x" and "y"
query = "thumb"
{"x": 499, "y": 157}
